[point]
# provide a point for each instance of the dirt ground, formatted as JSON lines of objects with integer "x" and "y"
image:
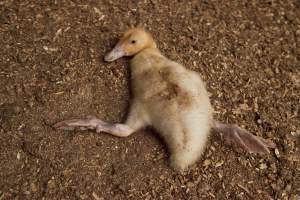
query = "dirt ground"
{"x": 51, "y": 69}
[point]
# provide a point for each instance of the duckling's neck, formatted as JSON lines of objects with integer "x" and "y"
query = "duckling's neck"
{"x": 150, "y": 51}
{"x": 146, "y": 59}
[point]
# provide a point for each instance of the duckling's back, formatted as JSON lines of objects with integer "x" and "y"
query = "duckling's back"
{"x": 176, "y": 102}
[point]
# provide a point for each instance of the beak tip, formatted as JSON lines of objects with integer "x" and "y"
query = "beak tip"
{"x": 107, "y": 58}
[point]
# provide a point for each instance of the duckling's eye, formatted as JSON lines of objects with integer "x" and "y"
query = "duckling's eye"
{"x": 133, "y": 41}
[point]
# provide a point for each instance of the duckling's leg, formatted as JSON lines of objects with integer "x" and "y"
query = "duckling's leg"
{"x": 243, "y": 138}
{"x": 134, "y": 122}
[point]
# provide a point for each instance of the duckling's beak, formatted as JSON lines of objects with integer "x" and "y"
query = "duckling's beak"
{"x": 114, "y": 54}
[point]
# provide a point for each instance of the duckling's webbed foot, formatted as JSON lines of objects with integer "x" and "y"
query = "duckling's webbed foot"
{"x": 249, "y": 142}
{"x": 90, "y": 123}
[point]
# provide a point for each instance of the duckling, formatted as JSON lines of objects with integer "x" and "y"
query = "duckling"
{"x": 171, "y": 99}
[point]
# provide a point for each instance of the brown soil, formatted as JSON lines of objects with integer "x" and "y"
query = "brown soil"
{"x": 52, "y": 68}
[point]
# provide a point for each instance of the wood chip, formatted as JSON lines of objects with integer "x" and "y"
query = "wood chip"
{"x": 57, "y": 34}
{"x": 246, "y": 190}
{"x": 218, "y": 164}
{"x": 96, "y": 197}
{"x": 206, "y": 163}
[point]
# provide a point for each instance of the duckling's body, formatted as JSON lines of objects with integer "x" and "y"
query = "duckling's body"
{"x": 170, "y": 98}
{"x": 174, "y": 101}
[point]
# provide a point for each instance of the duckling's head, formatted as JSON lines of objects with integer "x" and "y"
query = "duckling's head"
{"x": 133, "y": 41}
